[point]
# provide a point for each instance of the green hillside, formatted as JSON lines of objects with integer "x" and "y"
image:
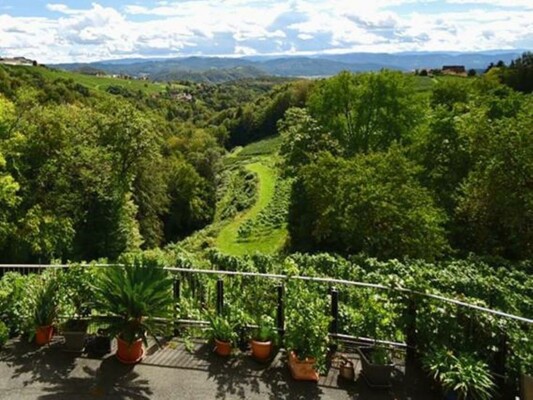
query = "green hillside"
{"x": 102, "y": 83}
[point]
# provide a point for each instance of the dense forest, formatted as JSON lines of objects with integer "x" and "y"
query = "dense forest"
{"x": 386, "y": 164}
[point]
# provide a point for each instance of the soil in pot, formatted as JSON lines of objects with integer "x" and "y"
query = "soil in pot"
{"x": 222, "y": 348}
{"x": 43, "y": 335}
{"x": 129, "y": 353}
{"x": 302, "y": 370}
{"x": 261, "y": 351}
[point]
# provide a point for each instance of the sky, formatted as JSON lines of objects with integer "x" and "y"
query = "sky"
{"x": 83, "y": 31}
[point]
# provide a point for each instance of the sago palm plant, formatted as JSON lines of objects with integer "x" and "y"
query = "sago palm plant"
{"x": 133, "y": 300}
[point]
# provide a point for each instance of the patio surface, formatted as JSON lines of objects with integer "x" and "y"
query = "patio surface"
{"x": 29, "y": 372}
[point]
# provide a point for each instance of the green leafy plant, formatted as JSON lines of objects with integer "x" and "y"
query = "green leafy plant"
{"x": 222, "y": 328}
{"x": 4, "y": 334}
{"x": 266, "y": 330}
{"x": 16, "y": 307}
{"x": 45, "y": 307}
{"x": 463, "y": 374}
{"x": 380, "y": 356}
{"x": 76, "y": 295}
{"x": 134, "y": 299}
{"x": 307, "y": 323}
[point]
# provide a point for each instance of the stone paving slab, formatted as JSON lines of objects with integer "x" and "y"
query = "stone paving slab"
{"x": 29, "y": 372}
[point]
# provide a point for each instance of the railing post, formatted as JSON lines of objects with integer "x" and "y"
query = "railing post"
{"x": 334, "y": 326}
{"x": 280, "y": 312}
{"x": 220, "y": 296}
{"x": 177, "y": 295}
{"x": 501, "y": 361}
{"x": 410, "y": 333}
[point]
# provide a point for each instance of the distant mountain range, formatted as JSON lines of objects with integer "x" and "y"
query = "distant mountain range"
{"x": 220, "y": 69}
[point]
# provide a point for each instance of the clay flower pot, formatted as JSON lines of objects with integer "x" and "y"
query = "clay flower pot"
{"x": 43, "y": 335}
{"x": 302, "y": 370}
{"x": 261, "y": 351}
{"x": 129, "y": 353}
{"x": 346, "y": 369}
{"x": 222, "y": 348}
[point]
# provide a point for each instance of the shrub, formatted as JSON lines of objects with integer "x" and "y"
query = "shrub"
{"x": 463, "y": 374}
{"x": 16, "y": 306}
{"x": 307, "y": 323}
{"x": 4, "y": 334}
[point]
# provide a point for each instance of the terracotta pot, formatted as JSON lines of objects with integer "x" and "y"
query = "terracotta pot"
{"x": 222, "y": 348}
{"x": 302, "y": 370}
{"x": 43, "y": 335}
{"x": 346, "y": 369}
{"x": 261, "y": 350}
{"x": 129, "y": 353}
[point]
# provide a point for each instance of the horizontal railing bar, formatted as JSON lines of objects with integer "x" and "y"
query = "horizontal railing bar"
{"x": 303, "y": 278}
{"x": 45, "y": 266}
{"x": 232, "y": 273}
{"x": 368, "y": 340}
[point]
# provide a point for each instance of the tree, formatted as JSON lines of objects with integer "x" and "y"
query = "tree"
{"x": 472, "y": 72}
{"x": 191, "y": 205}
{"x": 519, "y": 75}
{"x": 444, "y": 153}
{"x": 448, "y": 93}
{"x": 372, "y": 203}
{"x": 9, "y": 200}
{"x": 303, "y": 139}
{"x": 366, "y": 112}
{"x": 496, "y": 200}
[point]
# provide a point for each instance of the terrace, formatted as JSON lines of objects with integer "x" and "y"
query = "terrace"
{"x": 188, "y": 366}
{"x": 28, "y": 371}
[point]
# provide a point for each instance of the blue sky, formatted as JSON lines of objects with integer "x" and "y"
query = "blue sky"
{"x": 92, "y": 30}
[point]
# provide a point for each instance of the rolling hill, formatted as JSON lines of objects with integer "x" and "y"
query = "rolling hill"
{"x": 222, "y": 69}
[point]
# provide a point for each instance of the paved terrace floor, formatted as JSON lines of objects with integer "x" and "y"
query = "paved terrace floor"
{"x": 29, "y": 372}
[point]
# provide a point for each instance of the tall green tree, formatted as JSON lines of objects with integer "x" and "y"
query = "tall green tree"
{"x": 496, "y": 200}
{"x": 303, "y": 139}
{"x": 367, "y": 112}
{"x": 372, "y": 203}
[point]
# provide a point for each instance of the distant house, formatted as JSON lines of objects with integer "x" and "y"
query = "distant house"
{"x": 454, "y": 69}
{"x": 18, "y": 61}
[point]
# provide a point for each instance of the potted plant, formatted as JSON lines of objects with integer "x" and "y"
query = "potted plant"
{"x": 135, "y": 300}
{"x": 460, "y": 376}
{"x": 265, "y": 336}
{"x": 223, "y": 333}
{"x": 76, "y": 294}
{"x": 45, "y": 310}
{"x": 377, "y": 366}
{"x": 306, "y": 336}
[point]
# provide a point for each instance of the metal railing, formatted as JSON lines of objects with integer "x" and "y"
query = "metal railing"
{"x": 36, "y": 268}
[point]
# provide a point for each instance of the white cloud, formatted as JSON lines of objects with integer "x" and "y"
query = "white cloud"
{"x": 214, "y": 27}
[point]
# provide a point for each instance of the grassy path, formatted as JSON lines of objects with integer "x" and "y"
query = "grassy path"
{"x": 262, "y": 163}
{"x": 228, "y": 240}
